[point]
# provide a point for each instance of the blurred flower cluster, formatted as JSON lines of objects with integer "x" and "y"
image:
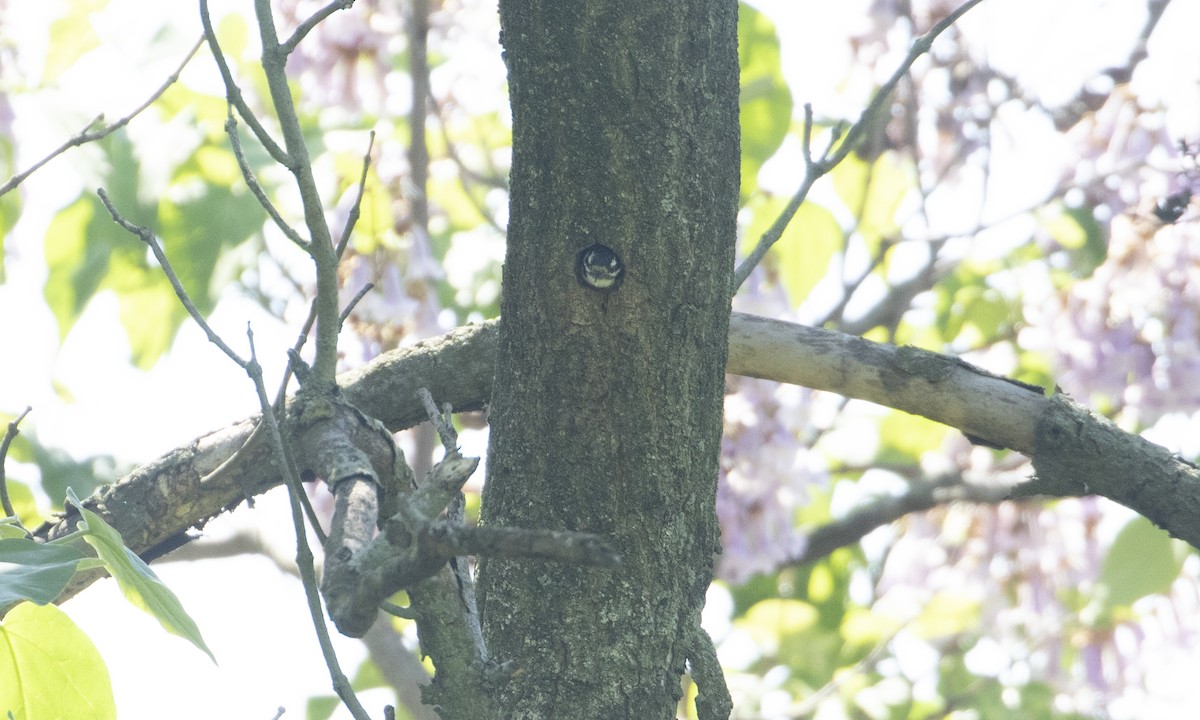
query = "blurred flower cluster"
{"x": 766, "y": 474}
{"x": 345, "y": 61}
{"x": 1127, "y": 335}
{"x": 1032, "y": 573}
{"x": 1130, "y": 334}
{"x": 766, "y": 470}
{"x": 1121, "y": 330}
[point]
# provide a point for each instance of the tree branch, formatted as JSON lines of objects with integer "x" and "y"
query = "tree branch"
{"x": 9, "y": 435}
{"x": 88, "y": 135}
{"x": 147, "y": 236}
{"x": 829, "y": 159}
{"x": 1074, "y": 452}
{"x": 256, "y": 189}
{"x": 886, "y": 510}
{"x": 233, "y": 93}
{"x": 304, "y": 28}
{"x": 320, "y": 242}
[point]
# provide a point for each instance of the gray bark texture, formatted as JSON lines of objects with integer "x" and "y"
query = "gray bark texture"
{"x": 607, "y": 405}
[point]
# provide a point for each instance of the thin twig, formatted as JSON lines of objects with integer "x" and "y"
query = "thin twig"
{"x": 441, "y": 421}
{"x": 9, "y": 435}
{"x": 919, "y": 496}
{"x": 354, "y": 301}
{"x": 919, "y": 47}
{"x": 304, "y": 556}
{"x": 278, "y": 405}
{"x": 235, "y": 142}
{"x": 815, "y": 169}
{"x": 355, "y": 210}
{"x": 812, "y": 172}
{"x": 233, "y": 94}
{"x": 321, "y": 245}
{"x": 304, "y": 28}
{"x": 148, "y": 238}
{"x": 88, "y": 135}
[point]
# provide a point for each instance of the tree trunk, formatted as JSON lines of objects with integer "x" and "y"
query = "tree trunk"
{"x": 606, "y": 413}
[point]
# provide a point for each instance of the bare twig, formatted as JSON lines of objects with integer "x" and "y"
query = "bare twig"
{"x": 354, "y": 301}
{"x": 88, "y": 135}
{"x": 829, "y": 159}
{"x": 356, "y": 208}
{"x": 232, "y": 462}
{"x": 146, "y": 236}
{"x": 321, "y": 247}
{"x": 234, "y": 94}
{"x": 886, "y": 510}
{"x": 235, "y": 142}
{"x": 813, "y": 170}
{"x": 304, "y": 556}
{"x": 441, "y": 420}
{"x": 9, "y": 435}
{"x": 304, "y": 28}
{"x": 919, "y": 47}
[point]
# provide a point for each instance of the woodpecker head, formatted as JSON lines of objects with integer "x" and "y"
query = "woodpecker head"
{"x": 1172, "y": 207}
{"x": 598, "y": 267}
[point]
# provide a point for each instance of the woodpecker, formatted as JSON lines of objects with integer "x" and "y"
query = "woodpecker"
{"x": 1172, "y": 207}
{"x": 598, "y": 267}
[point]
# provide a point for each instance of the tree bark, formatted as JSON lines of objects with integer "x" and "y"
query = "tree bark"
{"x": 606, "y": 409}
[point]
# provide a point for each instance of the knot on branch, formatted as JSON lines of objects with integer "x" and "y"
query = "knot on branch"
{"x": 333, "y": 440}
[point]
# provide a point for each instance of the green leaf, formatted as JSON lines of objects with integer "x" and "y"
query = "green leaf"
{"x": 84, "y": 248}
{"x": 137, "y": 581}
{"x": 766, "y": 101}
{"x": 970, "y": 311}
{"x": 773, "y": 618}
{"x": 946, "y": 614}
{"x": 75, "y": 265}
{"x": 34, "y": 571}
{"x": 49, "y": 669}
{"x": 10, "y": 527}
{"x": 866, "y": 627}
{"x": 71, "y": 36}
{"x": 801, "y": 255}
{"x": 24, "y": 505}
{"x": 151, "y": 315}
{"x": 806, "y": 248}
{"x": 1143, "y": 560}
{"x": 873, "y": 193}
{"x": 60, "y": 471}
{"x": 1078, "y": 232}
{"x": 981, "y": 313}
{"x": 904, "y": 438}
{"x": 86, "y": 252}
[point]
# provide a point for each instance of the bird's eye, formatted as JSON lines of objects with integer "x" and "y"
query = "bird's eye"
{"x": 598, "y": 267}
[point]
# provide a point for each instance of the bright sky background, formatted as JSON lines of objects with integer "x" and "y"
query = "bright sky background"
{"x": 252, "y": 616}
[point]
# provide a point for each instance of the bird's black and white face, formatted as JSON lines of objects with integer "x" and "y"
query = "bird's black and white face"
{"x": 599, "y": 268}
{"x": 1171, "y": 208}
